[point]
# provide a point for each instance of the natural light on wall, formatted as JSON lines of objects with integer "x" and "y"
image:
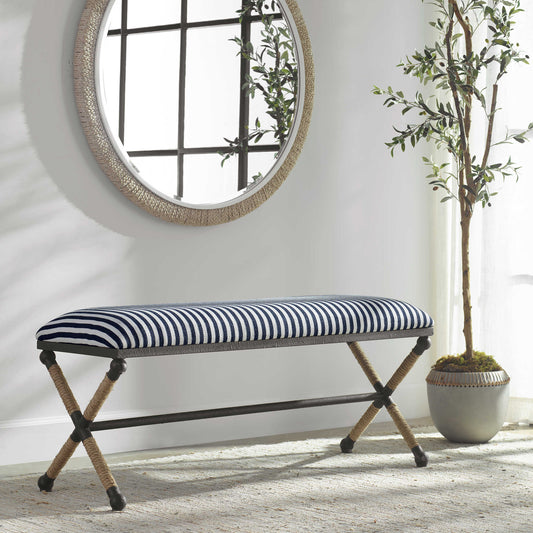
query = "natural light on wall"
{"x": 503, "y": 255}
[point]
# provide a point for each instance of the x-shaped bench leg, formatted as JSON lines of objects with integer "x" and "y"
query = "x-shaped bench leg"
{"x": 81, "y": 432}
{"x": 386, "y": 391}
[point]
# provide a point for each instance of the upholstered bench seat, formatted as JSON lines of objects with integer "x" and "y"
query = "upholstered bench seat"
{"x": 154, "y": 330}
{"x": 157, "y": 326}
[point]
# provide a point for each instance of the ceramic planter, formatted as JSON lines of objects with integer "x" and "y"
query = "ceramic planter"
{"x": 468, "y": 406}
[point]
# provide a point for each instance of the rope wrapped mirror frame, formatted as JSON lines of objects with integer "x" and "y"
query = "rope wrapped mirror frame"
{"x": 114, "y": 161}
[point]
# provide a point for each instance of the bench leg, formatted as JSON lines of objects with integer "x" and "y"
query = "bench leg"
{"x": 386, "y": 391}
{"x": 81, "y": 432}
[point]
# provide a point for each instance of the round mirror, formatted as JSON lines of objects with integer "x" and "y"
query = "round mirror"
{"x": 195, "y": 109}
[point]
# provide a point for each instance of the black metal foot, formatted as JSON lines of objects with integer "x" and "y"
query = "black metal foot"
{"x": 117, "y": 501}
{"x": 116, "y": 368}
{"x": 45, "y": 483}
{"x": 347, "y": 444}
{"x": 47, "y": 358}
{"x": 421, "y": 459}
{"x": 422, "y": 344}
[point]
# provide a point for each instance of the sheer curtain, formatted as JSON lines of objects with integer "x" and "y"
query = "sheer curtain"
{"x": 501, "y": 251}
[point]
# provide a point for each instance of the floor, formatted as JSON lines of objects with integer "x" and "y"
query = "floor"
{"x": 297, "y": 483}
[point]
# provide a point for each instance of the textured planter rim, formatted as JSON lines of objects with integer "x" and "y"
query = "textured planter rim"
{"x": 467, "y": 379}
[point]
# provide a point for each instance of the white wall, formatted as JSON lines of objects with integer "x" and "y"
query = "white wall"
{"x": 349, "y": 219}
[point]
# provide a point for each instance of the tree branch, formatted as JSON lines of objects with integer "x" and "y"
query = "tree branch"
{"x": 488, "y": 141}
{"x": 463, "y": 120}
{"x": 467, "y": 29}
{"x": 453, "y": 85}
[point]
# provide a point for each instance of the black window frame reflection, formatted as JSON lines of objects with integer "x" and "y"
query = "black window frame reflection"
{"x": 183, "y": 25}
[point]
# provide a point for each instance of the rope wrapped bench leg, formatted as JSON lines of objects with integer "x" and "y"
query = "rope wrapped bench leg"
{"x": 407, "y": 434}
{"x": 407, "y": 364}
{"x": 348, "y": 442}
{"x": 116, "y": 499}
{"x": 81, "y": 423}
{"x": 46, "y": 481}
{"x": 49, "y": 360}
{"x": 421, "y": 346}
{"x": 363, "y": 361}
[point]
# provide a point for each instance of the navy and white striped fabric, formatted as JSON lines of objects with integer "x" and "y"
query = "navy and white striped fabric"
{"x": 154, "y": 326}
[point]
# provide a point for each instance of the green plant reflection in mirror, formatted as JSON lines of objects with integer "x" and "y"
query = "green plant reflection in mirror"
{"x": 200, "y": 96}
{"x": 274, "y": 77}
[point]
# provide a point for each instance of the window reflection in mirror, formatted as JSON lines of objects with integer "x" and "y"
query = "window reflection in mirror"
{"x": 200, "y": 94}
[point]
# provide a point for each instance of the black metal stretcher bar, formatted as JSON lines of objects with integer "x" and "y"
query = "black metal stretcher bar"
{"x": 232, "y": 411}
{"x": 84, "y": 423}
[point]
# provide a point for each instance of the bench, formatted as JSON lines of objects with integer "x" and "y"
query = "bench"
{"x": 120, "y": 333}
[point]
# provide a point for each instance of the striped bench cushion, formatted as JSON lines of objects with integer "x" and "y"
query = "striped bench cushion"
{"x": 152, "y": 326}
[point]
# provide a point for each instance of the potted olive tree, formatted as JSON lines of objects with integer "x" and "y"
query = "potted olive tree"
{"x": 461, "y": 74}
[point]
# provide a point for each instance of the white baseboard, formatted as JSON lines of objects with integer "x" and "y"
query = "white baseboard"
{"x": 520, "y": 411}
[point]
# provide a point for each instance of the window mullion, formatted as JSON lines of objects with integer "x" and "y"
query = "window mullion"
{"x": 181, "y": 101}
{"x": 244, "y": 105}
{"x": 122, "y": 82}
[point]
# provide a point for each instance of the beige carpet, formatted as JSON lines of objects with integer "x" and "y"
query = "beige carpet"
{"x": 300, "y": 485}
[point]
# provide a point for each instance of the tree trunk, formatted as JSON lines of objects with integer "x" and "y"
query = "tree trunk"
{"x": 466, "y": 217}
{"x": 467, "y": 186}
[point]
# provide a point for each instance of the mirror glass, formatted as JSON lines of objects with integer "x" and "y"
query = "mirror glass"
{"x": 201, "y": 99}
